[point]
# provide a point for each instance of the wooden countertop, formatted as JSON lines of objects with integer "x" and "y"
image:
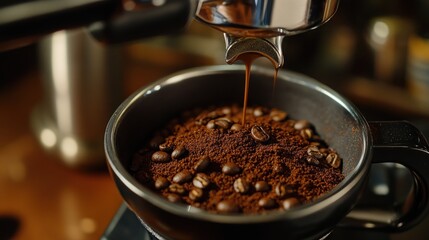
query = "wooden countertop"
{"x": 39, "y": 197}
{"x": 45, "y": 199}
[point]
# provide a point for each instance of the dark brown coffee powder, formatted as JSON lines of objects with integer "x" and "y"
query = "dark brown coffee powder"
{"x": 207, "y": 159}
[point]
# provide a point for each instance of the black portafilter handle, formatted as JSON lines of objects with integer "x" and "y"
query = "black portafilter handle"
{"x": 108, "y": 20}
{"x": 169, "y": 18}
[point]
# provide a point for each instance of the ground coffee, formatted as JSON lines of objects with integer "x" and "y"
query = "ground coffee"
{"x": 208, "y": 159}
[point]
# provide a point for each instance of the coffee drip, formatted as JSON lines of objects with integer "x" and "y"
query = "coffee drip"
{"x": 257, "y": 28}
{"x": 248, "y": 59}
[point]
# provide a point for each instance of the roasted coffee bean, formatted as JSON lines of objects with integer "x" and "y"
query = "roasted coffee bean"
{"x": 182, "y": 177}
{"x": 231, "y": 168}
{"x": 179, "y": 152}
{"x": 161, "y": 183}
{"x": 196, "y": 194}
{"x": 174, "y": 198}
{"x": 214, "y": 114}
{"x": 160, "y": 156}
{"x": 334, "y": 160}
{"x": 222, "y": 123}
{"x": 211, "y": 124}
{"x": 312, "y": 160}
{"x": 226, "y": 110}
{"x": 306, "y": 133}
{"x": 236, "y": 127}
{"x": 201, "y": 180}
{"x": 315, "y": 152}
{"x": 259, "y": 134}
{"x": 302, "y": 124}
{"x": 165, "y": 148}
{"x": 267, "y": 203}
{"x": 278, "y": 115}
{"x": 262, "y": 186}
{"x": 324, "y": 150}
{"x": 227, "y": 206}
{"x": 203, "y": 164}
{"x": 284, "y": 190}
{"x": 257, "y": 112}
{"x": 289, "y": 203}
{"x": 156, "y": 141}
{"x": 176, "y": 188}
{"x": 241, "y": 186}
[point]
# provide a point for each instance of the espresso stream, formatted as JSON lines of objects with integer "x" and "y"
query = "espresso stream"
{"x": 248, "y": 59}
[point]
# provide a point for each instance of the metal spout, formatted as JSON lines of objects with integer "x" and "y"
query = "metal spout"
{"x": 270, "y": 48}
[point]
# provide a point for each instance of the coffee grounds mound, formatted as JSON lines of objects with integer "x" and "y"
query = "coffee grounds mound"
{"x": 206, "y": 158}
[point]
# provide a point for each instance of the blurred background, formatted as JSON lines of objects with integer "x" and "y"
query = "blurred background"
{"x": 374, "y": 52}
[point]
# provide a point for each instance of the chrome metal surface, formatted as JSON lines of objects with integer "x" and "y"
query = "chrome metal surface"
{"x": 266, "y": 20}
{"x": 82, "y": 87}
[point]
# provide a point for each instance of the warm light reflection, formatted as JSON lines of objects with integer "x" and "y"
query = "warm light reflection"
{"x": 69, "y": 147}
{"x": 48, "y": 137}
{"x": 380, "y": 32}
{"x": 60, "y": 76}
{"x": 369, "y": 225}
{"x": 158, "y": 2}
{"x": 88, "y": 225}
{"x": 293, "y": 18}
{"x": 381, "y": 189}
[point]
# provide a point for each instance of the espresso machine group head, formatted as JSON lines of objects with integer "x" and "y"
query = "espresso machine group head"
{"x": 248, "y": 25}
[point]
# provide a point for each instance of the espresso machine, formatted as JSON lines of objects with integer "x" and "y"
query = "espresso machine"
{"x": 87, "y": 48}
{"x": 258, "y": 26}
{"x": 248, "y": 26}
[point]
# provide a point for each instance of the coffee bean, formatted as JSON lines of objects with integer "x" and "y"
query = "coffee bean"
{"x": 267, "y": 203}
{"x": 178, "y": 152}
{"x": 227, "y": 206}
{"x": 290, "y": 203}
{"x": 176, "y": 188}
{"x": 278, "y": 115}
{"x": 196, "y": 194}
{"x": 201, "y": 180}
{"x": 231, "y": 168}
{"x": 283, "y": 190}
{"x": 214, "y": 114}
{"x": 241, "y": 186}
{"x": 174, "y": 198}
{"x": 257, "y": 112}
{"x": 315, "y": 152}
{"x": 226, "y": 110}
{"x": 223, "y": 123}
{"x": 160, "y": 156}
{"x": 165, "y": 148}
{"x": 236, "y": 127}
{"x": 161, "y": 183}
{"x": 203, "y": 164}
{"x": 211, "y": 124}
{"x": 312, "y": 160}
{"x": 182, "y": 177}
{"x": 262, "y": 186}
{"x": 259, "y": 134}
{"x": 156, "y": 141}
{"x": 306, "y": 133}
{"x": 334, "y": 160}
{"x": 302, "y": 124}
